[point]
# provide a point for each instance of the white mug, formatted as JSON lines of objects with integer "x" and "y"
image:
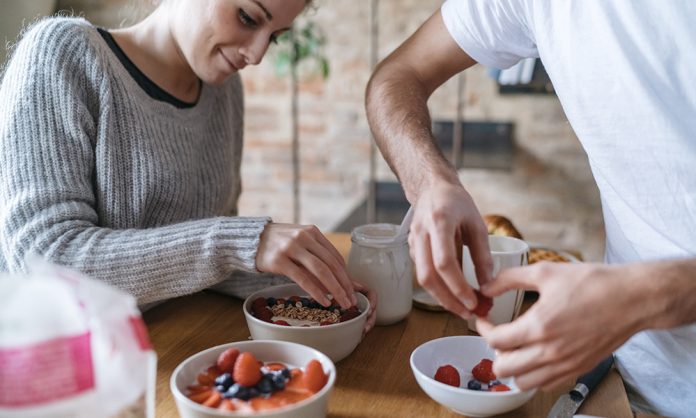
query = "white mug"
{"x": 506, "y": 252}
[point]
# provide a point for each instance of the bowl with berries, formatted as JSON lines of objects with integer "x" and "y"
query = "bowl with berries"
{"x": 275, "y": 379}
{"x": 286, "y": 313}
{"x": 457, "y": 372}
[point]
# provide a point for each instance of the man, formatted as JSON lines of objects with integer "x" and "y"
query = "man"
{"x": 624, "y": 72}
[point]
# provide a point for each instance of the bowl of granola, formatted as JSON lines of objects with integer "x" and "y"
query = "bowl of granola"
{"x": 287, "y": 313}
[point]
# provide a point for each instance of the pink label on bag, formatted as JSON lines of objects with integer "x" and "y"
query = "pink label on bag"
{"x": 140, "y": 331}
{"x": 45, "y": 372}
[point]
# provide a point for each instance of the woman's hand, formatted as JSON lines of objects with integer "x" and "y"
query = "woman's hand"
{"x": 372, "y": 297}
{"x": 305, "y": 255}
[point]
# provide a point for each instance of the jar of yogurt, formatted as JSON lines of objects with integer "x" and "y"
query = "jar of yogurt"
{"x": 379, "y": 258}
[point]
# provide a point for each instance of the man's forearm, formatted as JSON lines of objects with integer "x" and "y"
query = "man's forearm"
{"x": 667, "y": 292}
{"x": 397, "y": 111}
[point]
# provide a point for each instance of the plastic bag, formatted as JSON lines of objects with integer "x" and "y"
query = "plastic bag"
{"x": 71, "y": 346}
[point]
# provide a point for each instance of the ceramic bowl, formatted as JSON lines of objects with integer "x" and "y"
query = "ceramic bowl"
{"x": 336, "y": 341}
{"x": 463, "y": 352}
{"x": 294, "y": 355}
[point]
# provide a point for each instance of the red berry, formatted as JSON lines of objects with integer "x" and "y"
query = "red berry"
{"x": 265, "y": 315}
{"x": 499, "y": 388}
{"x": 281, "y": 322}
{"x": 258, "y": 305}
{"x": 448, "y": 375}
{"x": 247, "y": 371}
{"x": 483, "y": 305}
{"x": 483, "y": 371}
{"x": 225, "y": 361}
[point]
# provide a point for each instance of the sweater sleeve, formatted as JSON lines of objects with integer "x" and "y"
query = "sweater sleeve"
{"x": 48, "y": 123}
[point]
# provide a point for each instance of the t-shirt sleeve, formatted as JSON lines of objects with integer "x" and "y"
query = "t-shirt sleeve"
{"x": 495, "y": 33}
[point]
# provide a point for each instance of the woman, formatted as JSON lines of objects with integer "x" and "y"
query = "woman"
{"x": 121, "y": 155}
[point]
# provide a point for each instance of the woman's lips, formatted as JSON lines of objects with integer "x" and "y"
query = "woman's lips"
{"x": 230, "y": 63}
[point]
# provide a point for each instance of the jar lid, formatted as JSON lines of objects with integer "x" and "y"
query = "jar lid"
{"x": 378, "y": 235}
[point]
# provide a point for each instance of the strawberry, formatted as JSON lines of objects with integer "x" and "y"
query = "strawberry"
{"x": 225, "y": 361}
{"x": 483, "y": 305}
{"x": 201, "y": 397}
{"x": 214, "y": 400}
{"x": 226, "y": 405}
{"x": 499, "y": 388}
{"x": 246, "y": 370}
{"x": 448, "y": 375}
{"x": 275, "y": 366}
{"x": 281, "y": 322}
{"x": 483, "y": 371}
{"x": 258, "y": 304}
{"x": 265, "y": 315}
{"x": 314, "y": 377}
{"x": 208, "y": 378}
{"x": 350, "y": 314}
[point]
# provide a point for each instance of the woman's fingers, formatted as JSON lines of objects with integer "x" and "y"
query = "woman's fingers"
{"x": 327, "y": 253}
{"x": 372, "y": 297}
{"x": 322, "y": 272}
{"x": 307, "y": 281}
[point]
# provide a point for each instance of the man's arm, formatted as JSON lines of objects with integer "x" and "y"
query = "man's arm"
{"x": 584, "y": 313}
{"x": 445, "y": 215}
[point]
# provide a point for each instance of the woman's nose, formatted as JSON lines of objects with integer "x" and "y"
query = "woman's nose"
{"x": 253, "y": 52}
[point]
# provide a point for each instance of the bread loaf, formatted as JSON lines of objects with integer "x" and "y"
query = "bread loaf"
{"x": 500, "y": 225}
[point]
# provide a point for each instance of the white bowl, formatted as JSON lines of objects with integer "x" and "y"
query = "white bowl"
{"x": 294, "y": 355}
{"x": 463, "y": 352}
{"x": 336, "y": 341}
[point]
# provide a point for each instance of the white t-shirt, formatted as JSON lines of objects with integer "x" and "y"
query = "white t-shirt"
{"x": 625, "y": 73}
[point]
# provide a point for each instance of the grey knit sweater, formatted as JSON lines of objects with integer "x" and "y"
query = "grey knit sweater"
{"x": 98, "y": 176}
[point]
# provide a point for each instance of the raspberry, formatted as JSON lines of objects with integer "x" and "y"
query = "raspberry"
{"x": 499, "y": 388}
{"x": 483, "y": 305}
{"x": 448, "y": 375}
{"x": 225, "y": 361}
{"x": 246, "y": 370}
{"x": 483, "y": 371}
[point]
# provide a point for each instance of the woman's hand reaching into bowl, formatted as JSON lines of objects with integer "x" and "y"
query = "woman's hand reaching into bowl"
{"x": 305, "y": 255}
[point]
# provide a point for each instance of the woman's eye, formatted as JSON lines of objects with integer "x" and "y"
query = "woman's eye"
{"x": 246, "y": 19}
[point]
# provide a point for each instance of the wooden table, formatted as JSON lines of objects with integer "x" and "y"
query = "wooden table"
{"x": 374, "y": 381}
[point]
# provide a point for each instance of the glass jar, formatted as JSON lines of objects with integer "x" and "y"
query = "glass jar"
{"x": 379, "y": 258}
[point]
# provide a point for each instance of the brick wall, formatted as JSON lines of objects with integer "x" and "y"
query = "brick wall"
{"x": 549, "y": 193}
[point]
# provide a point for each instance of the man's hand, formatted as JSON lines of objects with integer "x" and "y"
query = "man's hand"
{"x": 445, "y": 217}
{"x": 584, "y": 312}
{"x": 306, "y": 256}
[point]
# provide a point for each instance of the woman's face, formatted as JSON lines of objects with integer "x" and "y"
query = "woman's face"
{"x": 220, "y": 37}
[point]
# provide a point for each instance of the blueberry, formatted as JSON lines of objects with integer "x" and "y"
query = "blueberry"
{"x": 314, "y": 304}
{"x": 271, "y": 301}
{"x": 224, "y": 380}
{"x": 252, "y": 393}
{"x": 305, "y": 301}
{"x": 285, "y": 372}
{"x": 474, "y": 385}
{"x": 278, "y": 381}
{"x": 289, "y": 303}
{"x": 221, "y": 388}
{"x": 493, "y": 383}
{"x": 265, "y": 385}
{"x": 235, "y": 391}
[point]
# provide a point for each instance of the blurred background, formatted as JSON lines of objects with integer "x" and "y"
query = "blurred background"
{"x": 308, "y": 146}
